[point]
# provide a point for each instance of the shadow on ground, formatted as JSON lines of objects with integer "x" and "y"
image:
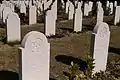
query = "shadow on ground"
{"x": 67, "y": 29}
{"x": 68, "y": 59}
{"x": 52, "y": 79}
{"x": 8, "y": 75}
{"x": 55, "y": 36}
{"x": 114, "y": 50}
{"x": 84, "y": 29}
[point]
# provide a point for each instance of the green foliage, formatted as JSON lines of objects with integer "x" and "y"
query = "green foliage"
{"x": 73, "y": 70}
{"x": 112, "y": 72}
{"x": 80, "y": 76}
{"x": 90, "y": 66}
{"x": 86, "y": 74}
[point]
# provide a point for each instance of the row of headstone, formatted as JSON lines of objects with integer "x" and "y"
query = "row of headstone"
{"x": 51, "y": 16}
{"x": 75, "y": 14}
{"x": 39, "y": 6}
{"x": 117, "y": 15}
{"x": 67, "y": 6}
{"x": 63, "y": 4}
{"x": 107, "y": 4}
{"x": 22, "y": 5}
{"x": 115, "y": 3}
{"x": 50, "y": 19}
{"x": 13, "y": 22}
{"x": 47, "y": 4}
{"x": 87, "y": 8}
{"x": 35, "y": 53}
{"x": 70, "y": 11}
{"x": 100, "y": 12}
{"x": 32, "y": 15}
{"x": 50, "y": 22}
{"x": 111, "y": 6}
{"x": 78, "y": 18}
{"x": 4, "y": 11}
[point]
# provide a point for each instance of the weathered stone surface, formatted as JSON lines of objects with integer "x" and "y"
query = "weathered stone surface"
{"x": 32, "y": 15}
{"x": 100, "y": 45}
{"x": 35, "y": 57}
{"x": 13, "y": 28}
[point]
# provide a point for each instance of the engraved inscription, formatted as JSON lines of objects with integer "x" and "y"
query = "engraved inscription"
{"x": 103, "y": 31}
{"x": 36, "y": 45}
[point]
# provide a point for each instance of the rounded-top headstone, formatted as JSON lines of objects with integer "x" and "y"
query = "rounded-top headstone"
{"x": 101, "y": 28}
{"x": 32, "y": 38}
{"x": 79, "y": 5}
{"x": 12, "y": 15}
{"x": 100, "y": 44}
{"x": 35, "y": 56}
{"x": 6, "y": 11}
{"x": 13, "y": 22}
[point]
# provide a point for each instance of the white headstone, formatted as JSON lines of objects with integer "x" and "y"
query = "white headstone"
{"x": 55, "y": 3}
{"x": 26, "y": 3}
{"x": 78, "y": 19}
{"x": 111, "y": 8}
{"x": 86, "y": 9}
{"x": 100, "y": 14}
{"x": 2, "y": 6}
{"x": 63, "y": 4}
{"x": 30, "y": 4}
{"x": 13, "y": 28}
{"x": 76, "y": 2}
{"x": 107, "y": 5}
{"x": 35, "y": 57}
{"x": 66, "y": 7}
{"x": 12, "y": 7}
{"x": 32, "y": 15}
{"x": 90, "y": 5}
{"x": 50, "y": 23}
{"x": 18, "y": 3}
{"x": 34, "y": 2}
{"x": 39, "y": 5}
{"x": 100, "y": 45}
{"x": 47, "y": 4}
{"x": 71, "y": 11}
{"x": 79, "y": 5}
{"x": 81, "y": 2}
{"x": 22, "y": 8}
{"x": 115, "y": 3}
{"x": 99, "y": 4}
{"x": 54, "y": 9}
{"x": 44, "y": 1}
{"x": 117, "y": 15}
{"x": 6, "y": 11}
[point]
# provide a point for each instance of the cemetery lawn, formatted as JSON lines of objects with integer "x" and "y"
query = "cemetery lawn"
{"x": 65, "y": 47}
